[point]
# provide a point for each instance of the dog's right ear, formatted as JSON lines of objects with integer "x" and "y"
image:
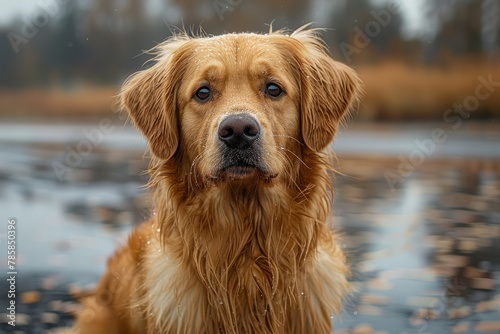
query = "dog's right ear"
{"x": 150, "y": 97}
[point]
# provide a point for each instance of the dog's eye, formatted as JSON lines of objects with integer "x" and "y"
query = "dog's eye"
{"x": 203, "y": 94}
{"x": 273, "y": 90}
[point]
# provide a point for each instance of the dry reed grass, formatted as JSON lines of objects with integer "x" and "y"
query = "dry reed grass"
{"x": 393, "y": 91}
{"x": 89, "y": 102}
{"x": 399, "y": 92}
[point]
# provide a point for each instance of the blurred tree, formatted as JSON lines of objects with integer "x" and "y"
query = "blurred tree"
{"x": 216, "y": 16}
{"x": 8, "y": 68}
{"x": 135, "y": 30}
{"x": 365, "y": 32}
{"x": 134, "y": 11}
{"x": 66, "y": 45}
{"x": 456, "y": 28}
{"x": 491, "y": 27}
{"x": 101, "y": 31}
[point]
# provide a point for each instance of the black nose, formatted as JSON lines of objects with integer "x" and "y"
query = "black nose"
{"x": 239, "y": 131}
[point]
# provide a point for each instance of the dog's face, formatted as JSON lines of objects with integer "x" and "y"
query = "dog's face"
{"x": 240, "y": 106}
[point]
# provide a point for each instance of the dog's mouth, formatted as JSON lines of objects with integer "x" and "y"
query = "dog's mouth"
{"x": 240, "y": 169}
{"x": 242, "y": 165}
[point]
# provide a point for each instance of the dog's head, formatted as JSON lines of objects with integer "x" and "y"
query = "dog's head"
{"x": 240, "y": 106}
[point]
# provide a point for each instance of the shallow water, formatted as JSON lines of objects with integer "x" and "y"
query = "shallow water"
{"x": 426, "y": 256}
{"x": 425, "y": 250}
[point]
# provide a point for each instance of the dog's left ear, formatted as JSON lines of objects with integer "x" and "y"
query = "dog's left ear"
{"x": 329, "y": 90}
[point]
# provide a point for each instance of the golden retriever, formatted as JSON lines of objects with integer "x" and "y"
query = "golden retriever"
{"x": 240, "y": 238}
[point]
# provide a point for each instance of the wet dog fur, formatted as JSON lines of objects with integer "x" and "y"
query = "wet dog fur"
{"x": 241, "y": 238}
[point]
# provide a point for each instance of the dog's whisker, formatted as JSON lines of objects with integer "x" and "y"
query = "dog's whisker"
{"x": 288, "y": 171}
{"x": 290, "y": 137}
{"x": 281, "y": 148}
{"x": 192, "y": 169}
{"x": 301, "y": 192}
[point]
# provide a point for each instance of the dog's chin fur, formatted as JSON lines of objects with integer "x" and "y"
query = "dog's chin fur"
{"x": 231, "y": 250}
{"x": 241, "y": 174}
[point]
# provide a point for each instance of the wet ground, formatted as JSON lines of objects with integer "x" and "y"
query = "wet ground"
{"x": 422, "y": 230}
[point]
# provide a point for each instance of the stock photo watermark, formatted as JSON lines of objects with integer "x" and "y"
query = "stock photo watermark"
{"x": 223, "y": 6}
{"x": 74, "y": 156}
{"x": 47, "y": 9}
{"x": 11, "y": 271}
{"x": 363, "y": 37}
{"x": 454, "y": 117}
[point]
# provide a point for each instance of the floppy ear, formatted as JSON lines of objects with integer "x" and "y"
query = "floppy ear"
{"x": 329, "y": 90}
{"x": 150, "y": 98}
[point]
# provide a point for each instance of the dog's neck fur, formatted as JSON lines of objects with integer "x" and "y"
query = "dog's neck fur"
{"x": 255, "y": 256}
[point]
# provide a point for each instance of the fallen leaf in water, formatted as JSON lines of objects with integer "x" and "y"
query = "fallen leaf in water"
{"x": 30, "y": 297}
{"x": 362, "y": 329}
{"x": 488, "y": 326}
{"x": 459, "y": 312}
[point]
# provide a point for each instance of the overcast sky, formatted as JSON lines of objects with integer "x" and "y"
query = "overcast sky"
{"x": 412, "y": 11}
{"x": 11, "y": 9}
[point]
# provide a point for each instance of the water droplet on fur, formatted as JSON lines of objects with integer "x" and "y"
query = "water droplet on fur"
{"x": 158, "y": 230}
{"x": 148, "y": 242}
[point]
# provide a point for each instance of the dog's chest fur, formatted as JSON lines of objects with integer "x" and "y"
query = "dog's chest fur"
{"x": 261, "y": 267}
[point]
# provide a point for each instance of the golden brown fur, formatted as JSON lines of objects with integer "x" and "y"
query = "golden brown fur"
{"x": 236, "y": 250}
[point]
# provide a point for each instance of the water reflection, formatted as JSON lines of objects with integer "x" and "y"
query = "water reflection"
{"x": 426, "y": 256}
